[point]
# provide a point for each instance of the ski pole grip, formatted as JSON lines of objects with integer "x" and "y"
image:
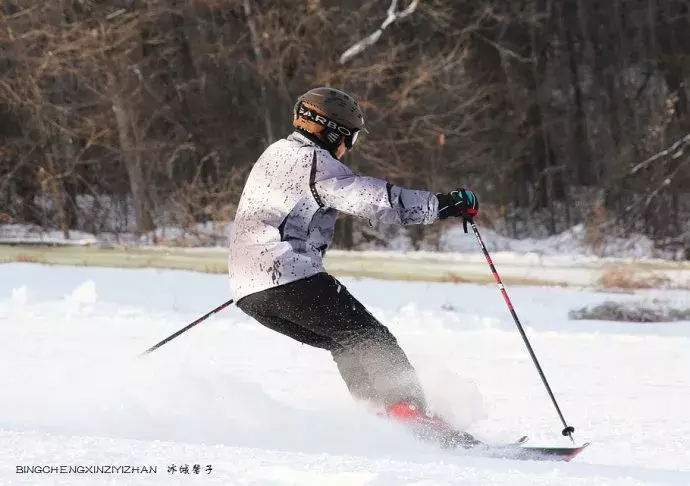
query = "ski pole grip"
{"x": 568, "y": 431}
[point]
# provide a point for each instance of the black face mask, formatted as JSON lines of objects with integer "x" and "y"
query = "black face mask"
{"x": 333, "y": 132}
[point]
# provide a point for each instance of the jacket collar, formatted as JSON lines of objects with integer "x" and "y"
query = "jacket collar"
{"x": 301, "y": 137}
{"x": 308, "y": 139}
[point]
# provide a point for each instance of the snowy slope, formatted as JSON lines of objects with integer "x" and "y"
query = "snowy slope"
{"x": 264, "y": 410}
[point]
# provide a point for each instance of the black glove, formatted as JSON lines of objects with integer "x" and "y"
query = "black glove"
{"x": 462, "y": 203}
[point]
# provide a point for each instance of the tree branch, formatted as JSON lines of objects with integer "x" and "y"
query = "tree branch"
{"x": 675, "y": 150}
{"x": 393, "y": 15}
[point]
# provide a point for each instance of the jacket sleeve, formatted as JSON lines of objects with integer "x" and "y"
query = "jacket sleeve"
{"x": 334, "y": 185}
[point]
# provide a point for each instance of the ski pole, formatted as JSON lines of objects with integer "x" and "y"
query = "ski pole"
{"x": 568, "y": 430}
{"x": 187, "y": 327}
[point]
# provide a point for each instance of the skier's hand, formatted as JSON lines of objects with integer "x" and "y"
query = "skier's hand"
{"x": 459, "y": 204}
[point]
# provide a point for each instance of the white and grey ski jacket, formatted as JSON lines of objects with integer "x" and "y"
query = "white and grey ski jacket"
{"x": 286, "y": 215}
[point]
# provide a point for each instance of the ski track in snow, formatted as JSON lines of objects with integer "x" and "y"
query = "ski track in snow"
{"x": 263, "y": 410}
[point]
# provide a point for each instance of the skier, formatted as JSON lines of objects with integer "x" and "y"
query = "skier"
{"x": 283, "y": 227}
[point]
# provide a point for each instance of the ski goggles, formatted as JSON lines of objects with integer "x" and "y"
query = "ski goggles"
{"x": 350, "y": 140}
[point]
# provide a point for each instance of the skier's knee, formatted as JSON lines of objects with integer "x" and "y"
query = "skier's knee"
{"x": 372, "y": 336}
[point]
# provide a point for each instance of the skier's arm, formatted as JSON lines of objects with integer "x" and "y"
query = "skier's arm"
{"x": 335, "y": 186}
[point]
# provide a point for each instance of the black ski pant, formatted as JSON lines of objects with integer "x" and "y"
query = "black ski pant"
{"x": 319, "y": 311}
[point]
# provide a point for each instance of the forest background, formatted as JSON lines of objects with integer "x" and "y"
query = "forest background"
{"x": 132, "y": 115}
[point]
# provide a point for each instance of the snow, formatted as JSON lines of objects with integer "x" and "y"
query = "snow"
{"x": 263, "y": 410}
{"x": 33, "y": 235}
{"x": 201, "y": 234}
{"x": 569, "y": 242}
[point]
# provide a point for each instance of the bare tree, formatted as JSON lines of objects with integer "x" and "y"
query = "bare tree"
{"x": 159, "y": 108}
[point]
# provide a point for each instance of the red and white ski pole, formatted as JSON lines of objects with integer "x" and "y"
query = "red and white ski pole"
{"x": 568, "y": 430}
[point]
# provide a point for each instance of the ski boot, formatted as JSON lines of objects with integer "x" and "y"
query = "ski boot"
{"x": 429, "y": 427}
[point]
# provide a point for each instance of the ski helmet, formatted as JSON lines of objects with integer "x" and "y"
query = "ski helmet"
{"x": 330, "y": 114}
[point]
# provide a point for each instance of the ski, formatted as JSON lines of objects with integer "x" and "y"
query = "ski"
{"x": 429, "y": 428}
{"x": 521, "y": 453}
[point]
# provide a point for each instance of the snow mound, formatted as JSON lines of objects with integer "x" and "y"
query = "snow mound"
{"x": 570, "y": 242}
{"x": 35, "y": 235}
